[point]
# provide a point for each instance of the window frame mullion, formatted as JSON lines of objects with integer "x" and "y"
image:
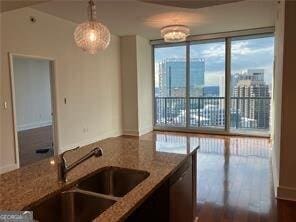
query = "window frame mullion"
{"x": 187, "y": 96}
{"x": 227, "y": 83}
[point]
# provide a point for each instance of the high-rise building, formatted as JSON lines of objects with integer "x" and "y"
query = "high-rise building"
{"x": 222, "y": 86}
{"x": 172, "y": 76}
{"x": 210, "y": 91}
{"x": 250, "y": 93}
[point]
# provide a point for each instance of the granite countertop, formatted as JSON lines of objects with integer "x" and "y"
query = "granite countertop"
{"x": 27, "y": 185}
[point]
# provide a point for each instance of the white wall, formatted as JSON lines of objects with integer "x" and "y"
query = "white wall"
{"x": 91, "y": 83}
{"x": 136, "y": 66}
{"x": 145, "y": 85}
{"x": 287, "y": 179}
{"x": 32, "y": 92}
{"x": 284, "y": 151}
{"x": 128, "y": 54}
{"x": 277, "y": 92}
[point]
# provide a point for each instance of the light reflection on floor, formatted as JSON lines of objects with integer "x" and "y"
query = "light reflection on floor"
{"x": 234, "y": 180}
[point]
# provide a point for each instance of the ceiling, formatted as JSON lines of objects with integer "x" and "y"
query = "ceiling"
{"x": 190, "y": 3}
{"x": 129, "y": 17}
{"x": 8, "y": 5}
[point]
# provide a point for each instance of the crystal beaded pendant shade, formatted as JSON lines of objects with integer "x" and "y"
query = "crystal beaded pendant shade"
{"x": 92, "y": 36}
{"x": 175, "y": 33}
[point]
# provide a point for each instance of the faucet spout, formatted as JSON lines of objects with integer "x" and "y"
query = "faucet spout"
{"x": 63, "y": 169}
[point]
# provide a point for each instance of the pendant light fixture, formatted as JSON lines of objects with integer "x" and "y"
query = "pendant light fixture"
{"x": 92, "y": 36}
{"x": 175, "y": 33}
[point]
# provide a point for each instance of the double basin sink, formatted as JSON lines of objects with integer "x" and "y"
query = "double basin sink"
{"x": 90, "y": 197}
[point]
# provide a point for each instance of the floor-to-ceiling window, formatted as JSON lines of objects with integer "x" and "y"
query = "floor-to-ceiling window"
{"x": 251, "y": 82}
{"x": 170, "y": 86}
{"x": 222, "y": 84}
{"x": 207, "y": 84}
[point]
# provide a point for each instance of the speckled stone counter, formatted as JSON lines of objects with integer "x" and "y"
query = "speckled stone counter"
{"x": 25, "y": 186}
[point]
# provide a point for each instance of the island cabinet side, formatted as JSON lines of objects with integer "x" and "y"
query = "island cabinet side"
{"x": 182, "y": 194}
{"x": 174, "y": 200}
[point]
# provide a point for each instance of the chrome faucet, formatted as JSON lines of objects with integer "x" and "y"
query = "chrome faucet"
{"x": 63, "y": 169}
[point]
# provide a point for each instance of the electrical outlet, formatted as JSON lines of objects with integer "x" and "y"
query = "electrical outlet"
{"x": 85, "y": 130}
{"x": 5, "y": 105}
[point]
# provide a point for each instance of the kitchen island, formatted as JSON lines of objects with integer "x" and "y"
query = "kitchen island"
{"x": 29, "y": 186}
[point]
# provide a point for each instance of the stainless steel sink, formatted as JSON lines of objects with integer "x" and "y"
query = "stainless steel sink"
{"x": 90, "y": 197}
{"x": 71, "y": 206}
{"x": 114, "y": 181}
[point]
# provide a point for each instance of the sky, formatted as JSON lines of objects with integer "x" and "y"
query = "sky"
{"x": 245, "y": 54}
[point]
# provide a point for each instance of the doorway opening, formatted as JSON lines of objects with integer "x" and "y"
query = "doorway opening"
{"x": 32, "y": 84}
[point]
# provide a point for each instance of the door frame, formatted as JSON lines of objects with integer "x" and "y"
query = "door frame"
{"x": 53, "y": 90}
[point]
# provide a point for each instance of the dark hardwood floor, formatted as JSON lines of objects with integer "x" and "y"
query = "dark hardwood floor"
{"x": 234, "y": 178}
{"x": 234, "y": 174}
{"x": 33, "y": 139}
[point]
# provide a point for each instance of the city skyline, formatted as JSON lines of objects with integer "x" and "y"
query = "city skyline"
{"x": 177, "y": 84}
{"x": 246, "y": 54}
{"x": 250, "y": 84}
{"x": 250, "y": 105}
{"x": 172, "y": 78}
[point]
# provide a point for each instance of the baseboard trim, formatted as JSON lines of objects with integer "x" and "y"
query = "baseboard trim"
{"x": 286, "y": 193}
{"x": 33, "y": 125}
{"x": 7, "y": 168}
{"x": 274, "y": 174}
{"x": 127, "y": 132}
{"x": 145, "y": 130}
